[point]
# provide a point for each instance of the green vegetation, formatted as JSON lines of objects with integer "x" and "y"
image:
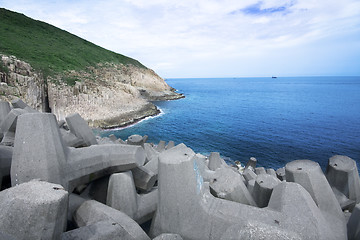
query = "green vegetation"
{"x": 49, "y": 49}
{"x": 71, "y": 80}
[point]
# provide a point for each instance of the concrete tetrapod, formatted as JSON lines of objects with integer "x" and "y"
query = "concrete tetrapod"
{"x": 249, "y": 174}
{"x": 8, "y": 126}
{"x": 91, "y": 212}
{"x": 152, "y": 155}
{"x": 4, "y": 110}
{"x": 251, "y": 164}
{"x": 144, "y": 178}
{"x": 353, "y": 224}
{"x": 136, "y": 140}
{"x": 271, "y": 172}
{"x": 18, "y": 103}
{"x": 215, "y": 161}
{"x": 171, "y": 144}
{"x": 103, "y": 230}
{"x": 260, "y": 170}
{"x": 79, "y": 127}
{"x": 342, "y": 174}
{"x": 33, "y": 210}
{"x": 264, "y": 185}
{"x": 161, "y": 146}
{"x": 227, "y": 184}
{"x": 309, "y": 175}
{"x": 70, "y": 139}
{"x": 39, "y": 152}
{"x": 187, "y": 208}
{"x": 122, "y": 196}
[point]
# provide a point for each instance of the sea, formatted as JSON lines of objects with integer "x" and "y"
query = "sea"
{"x": 275, "y": 120}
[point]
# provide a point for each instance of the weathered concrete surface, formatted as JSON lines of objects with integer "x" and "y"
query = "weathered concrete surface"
{"x": 249, "y": 174}
{"x": 5, "y": 236}
{"x": 70, "y": 139}
{"x": 250, "y": 186}
{"x": 96, "y": 190}
{"x": 271, "y": 172}
{"x": 151, "y": 153}
{"x": 168, "y": 236}
{"x": 342, "y": 174}
{"x": 309, "y": 175}
{"x": 207, "y": 174}
{"x": 8, "y": 126}
{"x": 74, "y": 203}
{"x": 161, "y": 146}
{"x": 260, "y": 170}
{"x": 18, "y": 103}
{"x": 39, "y": 152}
{"x": 345, "y": 203}
{"x": 264, "y": 185}
{"x": 256, "y": 230}
{"x": 153, "y": 166}
{"x": 103, "y": 230}
{"x": 91, "y": 212}
{"x": 79, "y": 127}
{"x": 187, "y": 208}
{"x": 227, "y": 184}
{"x": 122, "y": 196}
{"x": 353, "y": 225}
{"x": 215, "y": 161}
{"x": 33, "y": 210}
{"x": 170, "y": 144}
{"x": 144, "y": 178}
{"x": 4, "y": 110}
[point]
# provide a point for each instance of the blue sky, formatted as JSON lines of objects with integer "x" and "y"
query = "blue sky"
{"x": 216, "y": 38}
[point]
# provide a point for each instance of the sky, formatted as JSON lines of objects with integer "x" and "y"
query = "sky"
{"x": 215, "y": 38}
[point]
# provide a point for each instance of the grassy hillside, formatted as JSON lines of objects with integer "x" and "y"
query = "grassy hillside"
{"x": 50, "y": 49}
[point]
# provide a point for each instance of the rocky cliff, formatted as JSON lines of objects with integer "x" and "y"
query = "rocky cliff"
{"x": 106, "y": 95}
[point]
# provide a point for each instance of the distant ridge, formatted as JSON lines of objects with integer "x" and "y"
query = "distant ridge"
{"x": 50, "y": 49}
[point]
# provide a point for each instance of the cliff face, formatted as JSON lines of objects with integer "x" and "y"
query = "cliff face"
{"x": 20, "y": 81}
{"x": 107, "y": 95}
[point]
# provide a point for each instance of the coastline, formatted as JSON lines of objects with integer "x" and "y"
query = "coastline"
{"x": 126, "y": 119}
{"x": 135, "y": 122}
{"x": 135, "y": 116}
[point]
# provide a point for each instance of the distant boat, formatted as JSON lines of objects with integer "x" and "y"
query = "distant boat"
{"x": 273, "y": 77}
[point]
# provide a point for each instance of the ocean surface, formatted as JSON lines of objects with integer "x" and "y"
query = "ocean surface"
{"x": 275, "y": 120}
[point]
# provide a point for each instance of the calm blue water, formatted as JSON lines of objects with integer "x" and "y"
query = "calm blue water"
{"x": 274, "y": 120}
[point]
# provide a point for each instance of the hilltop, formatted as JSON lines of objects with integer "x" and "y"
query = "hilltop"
{"x": 48, "y": 48}
{"x": 56, "y": 71}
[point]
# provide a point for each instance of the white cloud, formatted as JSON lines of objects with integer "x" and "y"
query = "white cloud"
{"x": 171, "y": 35}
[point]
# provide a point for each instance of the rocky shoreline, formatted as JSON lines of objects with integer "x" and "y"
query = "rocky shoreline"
{"x": 126, "y": 119}
{"x": 107, "y": 95}
{"x": 136, "y": 115}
